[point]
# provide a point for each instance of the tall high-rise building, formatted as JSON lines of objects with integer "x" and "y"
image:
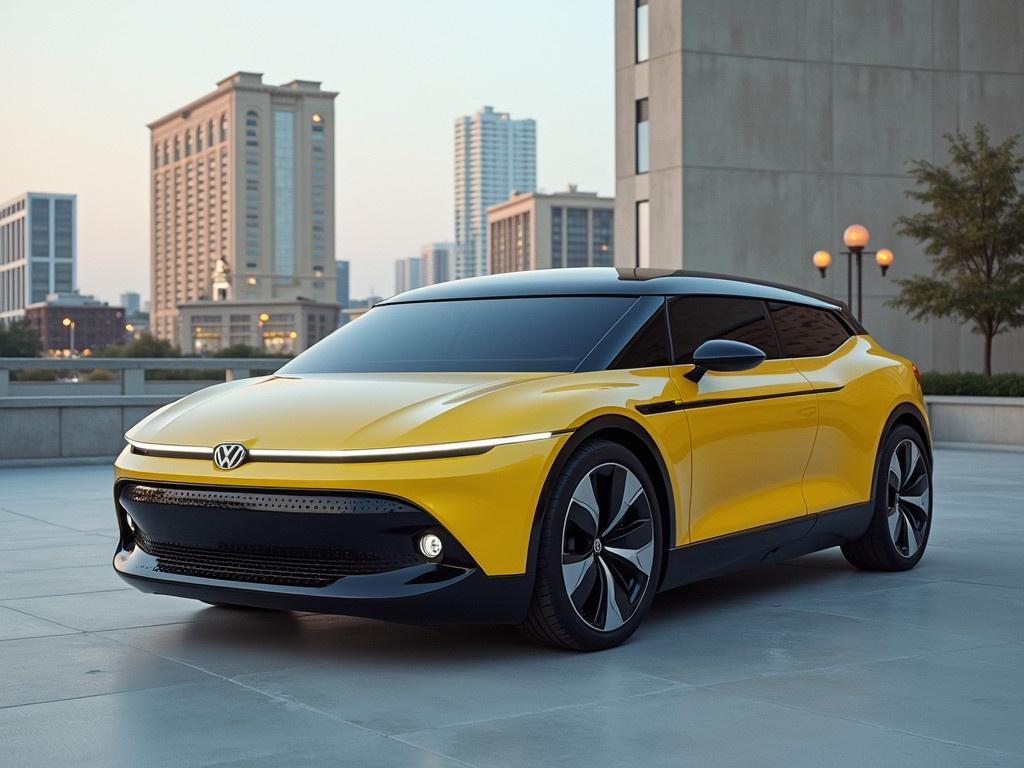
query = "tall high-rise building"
{"x": 242, "y": 190}
{"x": 494, "y": 156}
{"x": 437, "y": 263}
{"x": 37, "y": 250}
{"x": 341, "y": 293}
{"x": 407, "y": 274}
{"x": 541, "y": 231}
{"x": 131, "y": 303}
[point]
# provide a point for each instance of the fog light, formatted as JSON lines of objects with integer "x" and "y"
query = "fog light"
{"x": 430, "y": 545}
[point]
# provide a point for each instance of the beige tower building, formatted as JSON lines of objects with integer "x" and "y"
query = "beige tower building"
{"x": 242, "y": 192}
{"x": 541, "y": 231}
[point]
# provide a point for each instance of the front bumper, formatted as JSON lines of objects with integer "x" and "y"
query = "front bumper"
{"x": 311, "y": 549}
{"x": 424, "y": 594}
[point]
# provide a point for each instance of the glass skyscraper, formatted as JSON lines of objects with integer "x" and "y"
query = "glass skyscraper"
{"x": 37, "y": 250}
{"x": 494, "y": 156}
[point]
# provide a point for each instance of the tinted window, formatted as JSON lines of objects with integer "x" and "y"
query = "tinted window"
{"x": 696, "y": 319}
{"x": 648, "y": 348}
{"x": 528, "y": 334}
{"x": 805, "y": 331}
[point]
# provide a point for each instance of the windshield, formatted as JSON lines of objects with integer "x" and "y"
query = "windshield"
{"x": 551, "y": 333}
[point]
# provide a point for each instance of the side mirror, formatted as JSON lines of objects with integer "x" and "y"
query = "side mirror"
{"x": 724, "y": 355}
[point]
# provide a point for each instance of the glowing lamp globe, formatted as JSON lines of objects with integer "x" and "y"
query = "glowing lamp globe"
{"x": 822, "y": 260}
{"x": 884, "y": 259}
{"x": 856, "y": 236}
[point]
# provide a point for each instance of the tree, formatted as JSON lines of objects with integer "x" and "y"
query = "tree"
{"x": 145, "y": 346}
{"x": 972, "y": 227}
{"x": 19, "y": 338}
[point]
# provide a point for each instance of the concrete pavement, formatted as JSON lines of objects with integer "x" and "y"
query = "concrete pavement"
{"x": 807, "y": 663}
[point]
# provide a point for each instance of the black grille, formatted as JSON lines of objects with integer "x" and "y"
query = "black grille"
{"x": 267, "y": 502}
{"x": 286, "y": 566}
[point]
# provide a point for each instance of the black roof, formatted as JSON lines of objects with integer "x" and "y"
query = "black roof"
{"x": 608, "y": 281}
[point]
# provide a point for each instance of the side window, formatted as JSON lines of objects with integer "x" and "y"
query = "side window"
{"x": 696, "y": 319}
{"x": 806, "y": 331}
{"x": 648, "y": 348}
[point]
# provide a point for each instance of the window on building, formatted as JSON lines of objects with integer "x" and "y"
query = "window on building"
{"x": 318, "y": 164}
{"x": 284, "y": 195}
{"x": 696, "y": 319}
{"x": 643, "y": 233}
{"x": 188, "y": 143}
{"x": 166, "y": 153}
{"x": 806, "y": 331}
{"x": 643, "y": 149}
{"x": 576, "y": 237}
{"x": 642, "y": 31}
{"x": 199, "y": 138}
{"x": 556, "y": 237}
{"x": 177, "y": 149}
{"x": 602, "y": 253}
{"x": 223, "y": 127}
{"x": 209, "y": 133}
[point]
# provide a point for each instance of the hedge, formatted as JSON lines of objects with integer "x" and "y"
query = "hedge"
{"x": 977, "y": 384}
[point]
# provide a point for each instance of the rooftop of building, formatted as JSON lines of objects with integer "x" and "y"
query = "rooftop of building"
{"x": 250, "y": 81}
{"x": 571, "y": 192}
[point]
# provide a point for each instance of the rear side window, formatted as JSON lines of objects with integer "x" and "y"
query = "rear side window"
{"x": 806, "y": 331}
{"x": 696, "y": 319}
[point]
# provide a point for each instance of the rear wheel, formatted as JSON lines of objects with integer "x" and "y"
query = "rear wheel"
{"x": 600, "y": 551}
{"x": 902, "y": 520}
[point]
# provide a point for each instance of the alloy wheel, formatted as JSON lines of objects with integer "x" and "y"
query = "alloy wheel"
{"x": 607, "y": 546}
{"x": 908, "y": 493}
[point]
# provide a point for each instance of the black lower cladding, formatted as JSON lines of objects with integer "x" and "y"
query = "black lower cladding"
{"x": 336, "y": 552}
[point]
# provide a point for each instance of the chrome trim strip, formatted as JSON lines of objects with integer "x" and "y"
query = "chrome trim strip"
{"x": 436, "y": 450}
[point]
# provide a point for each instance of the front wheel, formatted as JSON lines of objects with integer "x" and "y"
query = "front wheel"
{"x": 600, "y": 551}
{"x": 896, "y": 538}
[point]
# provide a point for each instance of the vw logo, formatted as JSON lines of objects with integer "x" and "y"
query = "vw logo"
{"x": 230, "y": 455}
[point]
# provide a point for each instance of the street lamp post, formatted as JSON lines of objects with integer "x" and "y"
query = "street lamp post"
{"x": 856, "y": 239}
{"x": 70, "y": 325}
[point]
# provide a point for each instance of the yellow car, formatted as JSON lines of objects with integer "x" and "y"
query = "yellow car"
{"x": 548, "y": 449}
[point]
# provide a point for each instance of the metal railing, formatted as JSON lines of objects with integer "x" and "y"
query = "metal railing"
{"x": 133, "y": 369}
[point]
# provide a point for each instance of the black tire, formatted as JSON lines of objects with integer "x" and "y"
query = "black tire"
{"x": 553, "y": 618}
{"x": 898, "y": 534}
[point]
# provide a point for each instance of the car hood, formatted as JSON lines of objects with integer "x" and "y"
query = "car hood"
{"x": 354, "y": 410}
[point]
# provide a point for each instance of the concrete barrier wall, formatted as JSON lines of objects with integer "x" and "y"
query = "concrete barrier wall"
{"x": 51, "y": 429}
{"x": 997, "y": 421}
{"x": 35, "y": 429}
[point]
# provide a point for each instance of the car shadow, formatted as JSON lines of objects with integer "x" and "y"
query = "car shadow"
{"x": 284, "y": 639}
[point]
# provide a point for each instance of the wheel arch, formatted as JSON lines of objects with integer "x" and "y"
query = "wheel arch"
{"x": 631, "y": 435}
{"x": 904, "y": 414}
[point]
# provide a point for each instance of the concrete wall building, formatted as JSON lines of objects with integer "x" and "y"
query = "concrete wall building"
{"x": 96, "y": 324}
{"x": 494, "y": 156}
{"x": 244, "y": 176}
{"x": 750, "y": 134}
{"x": 540, "y": 231}
{"x": 37, "y": 250}
{"x": 407, "y": 274}
{"x": 437, "y": 263}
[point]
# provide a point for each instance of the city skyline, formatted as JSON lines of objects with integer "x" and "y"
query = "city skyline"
{"x": 383, "y": 154}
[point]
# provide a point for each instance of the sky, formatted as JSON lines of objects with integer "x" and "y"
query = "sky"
{"x": 82, "y": 80}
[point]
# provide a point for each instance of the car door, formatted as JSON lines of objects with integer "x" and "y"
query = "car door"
{"x": 752, "y": 431}
{"x": 825, "y": 351}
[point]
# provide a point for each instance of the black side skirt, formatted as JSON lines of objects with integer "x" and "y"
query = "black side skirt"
{"x": 767, "y": 544}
